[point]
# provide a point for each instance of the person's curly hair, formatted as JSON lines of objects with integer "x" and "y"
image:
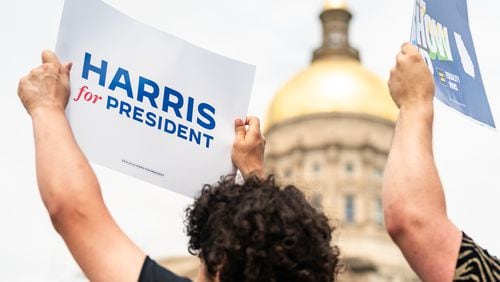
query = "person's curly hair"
{"x": 258, "y": 231}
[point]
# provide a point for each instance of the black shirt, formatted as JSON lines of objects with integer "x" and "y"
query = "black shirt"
{"x": 152, "y": 272}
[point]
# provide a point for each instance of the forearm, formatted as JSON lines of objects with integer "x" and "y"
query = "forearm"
{"x": 248, "y": 148}
{"x": 71, "y": 194}
{"x": 64, "y": 174}
{"x": 413, "y": 197}
{"x": 414, "y": 200}
{"x": 412, "y": 186}
{"x": 67, "y": 184}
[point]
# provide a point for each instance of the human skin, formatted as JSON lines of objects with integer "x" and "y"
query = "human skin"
{"x": 69, "y": 187}
{"x": 413, "y": 196}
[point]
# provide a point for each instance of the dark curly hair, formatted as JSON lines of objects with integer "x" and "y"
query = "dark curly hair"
{"x": 258, "y": 231}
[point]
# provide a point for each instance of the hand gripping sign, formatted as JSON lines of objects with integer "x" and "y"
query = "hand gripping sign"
{"x": 148, "y": 104}
{"x": 441, "y": 31}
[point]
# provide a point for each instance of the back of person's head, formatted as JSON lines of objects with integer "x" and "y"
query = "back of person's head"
{"x": 258, "y": 231}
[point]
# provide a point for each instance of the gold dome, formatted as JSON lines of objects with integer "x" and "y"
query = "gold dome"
{"x": 342, "y": 85}
{"x": 335, "y": 4}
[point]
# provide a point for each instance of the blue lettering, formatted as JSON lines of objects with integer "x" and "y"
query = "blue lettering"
{"x": 111, "y": 103}
{"x": 169, "y": 104}
{"x": 209, "y": 122}
{"x": 125, "y": 108}
{"x": 209, "y": 138}
{"x": 194, "y": 135}
{"x": 181, "y": 132}
{"x": 126, "y": 85}
{"x": 152, "y": 95}
{"x": 101, "y": 71}
{"x": 137, "y": 115}
{"x": 167, "y": 124}
{"x": 160, "y": 122}
{"x": 189, "y": 116}
{"x": 173, "y": 102}
{"x": 151, "y": 119}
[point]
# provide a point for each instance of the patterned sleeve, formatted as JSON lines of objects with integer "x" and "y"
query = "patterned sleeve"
{"x": 476, "y": 264}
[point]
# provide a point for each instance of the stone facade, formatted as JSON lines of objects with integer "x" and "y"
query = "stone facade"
{"x": 338, "y": 161}
{"x": 329, "y": 132}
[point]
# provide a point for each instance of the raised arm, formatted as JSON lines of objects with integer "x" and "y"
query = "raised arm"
{"x": 413, "y": 197}
{"x": 67, "y": 184}
{"x": 248, "y": 147}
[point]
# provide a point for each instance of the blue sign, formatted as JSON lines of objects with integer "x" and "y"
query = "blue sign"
{"x": 441, "y": 32}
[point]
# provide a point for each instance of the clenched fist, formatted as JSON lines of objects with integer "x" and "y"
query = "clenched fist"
{"x": 46, "y": 86}
{"x": 248, "y": 147}
{"x": 411, "y": 83}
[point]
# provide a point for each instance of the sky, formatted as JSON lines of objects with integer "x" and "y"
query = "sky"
{"x": 278, "y": 37}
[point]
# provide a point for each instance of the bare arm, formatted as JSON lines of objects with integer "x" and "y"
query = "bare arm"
{"x": 414, "y": 200}
{"x": 67, "y": 184}
{"x": 248, "y": 148}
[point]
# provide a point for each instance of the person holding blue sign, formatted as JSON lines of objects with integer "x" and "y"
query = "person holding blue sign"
{"x": 441, "y": 32}
{"x": 413, "y": 197}
{"x": 254, "y": 231}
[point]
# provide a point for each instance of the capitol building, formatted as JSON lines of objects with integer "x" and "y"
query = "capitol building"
{"x": 329, "y": 131}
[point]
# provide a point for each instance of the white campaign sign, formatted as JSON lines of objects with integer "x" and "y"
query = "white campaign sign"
{"x": 148, "y": 104}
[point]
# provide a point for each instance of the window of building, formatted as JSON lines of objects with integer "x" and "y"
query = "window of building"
{"x": 349, "y": 167}
{"x": 349, "y": 209}
{"x": 316, "y": 167}
{"x": 379, "y": 215}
